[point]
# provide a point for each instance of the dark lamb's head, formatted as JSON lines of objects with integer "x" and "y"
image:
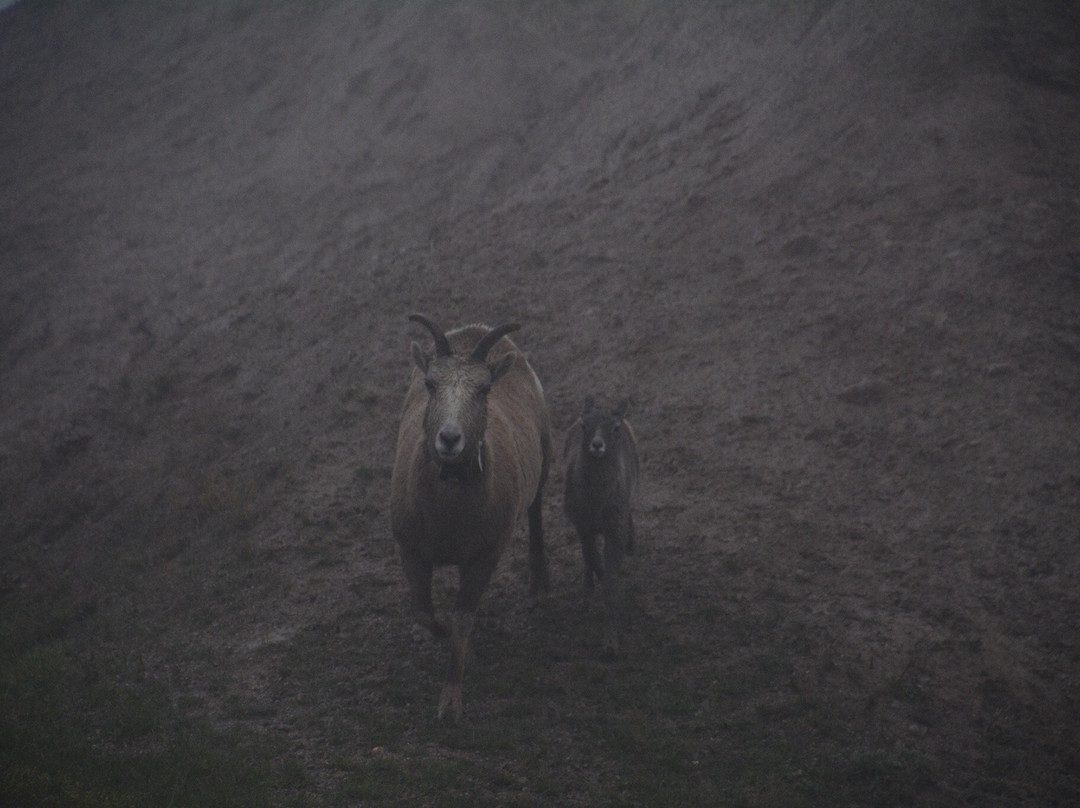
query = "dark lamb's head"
{"x": 601, "y": 430}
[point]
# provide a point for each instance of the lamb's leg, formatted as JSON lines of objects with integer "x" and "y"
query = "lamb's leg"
{"x": 474, "y": 580}
{"x": 615, "y": 536}
{"x": 590, "y": 555}
{"x": 418, "y": 574}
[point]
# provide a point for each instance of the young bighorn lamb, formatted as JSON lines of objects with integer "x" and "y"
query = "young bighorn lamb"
{"x": 473, "y": 452}
{"x": 601, "y": 474}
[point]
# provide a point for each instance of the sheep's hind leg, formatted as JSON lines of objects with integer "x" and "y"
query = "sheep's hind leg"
{"x": 538, "y": 566}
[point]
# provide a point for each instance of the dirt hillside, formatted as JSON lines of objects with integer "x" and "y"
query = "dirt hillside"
{"x": 831, "y": 250}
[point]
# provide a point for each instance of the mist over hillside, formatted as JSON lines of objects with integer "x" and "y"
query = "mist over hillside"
{"x": 829, "y": 249}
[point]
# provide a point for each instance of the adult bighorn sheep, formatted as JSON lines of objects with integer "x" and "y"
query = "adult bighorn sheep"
{"x": 473, "y": 452}
{"x": 601, "y": 474}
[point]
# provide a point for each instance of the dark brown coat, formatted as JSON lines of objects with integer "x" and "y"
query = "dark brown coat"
{"x": 601, "y": 476}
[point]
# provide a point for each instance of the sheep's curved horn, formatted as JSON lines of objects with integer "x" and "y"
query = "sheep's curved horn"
{"x": 442, "y": 344}
{"x": 487, "y": 342}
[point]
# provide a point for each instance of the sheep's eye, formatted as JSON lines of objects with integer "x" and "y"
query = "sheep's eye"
{"x": 485, "y": 388}
{"x": 616, "y": 428}
{"x": 430, "y": 385}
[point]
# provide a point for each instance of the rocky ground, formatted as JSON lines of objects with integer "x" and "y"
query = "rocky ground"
{"x": 831, "y": 250}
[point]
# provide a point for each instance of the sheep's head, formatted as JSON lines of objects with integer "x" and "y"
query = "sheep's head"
{"x": 601, "y": 429}
{"x": 458, "y": 386}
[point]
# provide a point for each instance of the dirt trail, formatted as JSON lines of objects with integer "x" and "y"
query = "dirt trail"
{"x": 831, "y": 251}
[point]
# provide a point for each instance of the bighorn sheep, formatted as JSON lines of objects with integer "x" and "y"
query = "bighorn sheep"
{"x": 601, "y": 474}
{"x": 473, "y": 452}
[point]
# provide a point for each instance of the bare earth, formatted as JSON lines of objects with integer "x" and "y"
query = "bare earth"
{"x": 831, "y": 250}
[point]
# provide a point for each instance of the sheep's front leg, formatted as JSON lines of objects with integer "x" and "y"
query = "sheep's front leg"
{"x": 474, "y": 580}
{"x": 418, "y": 573}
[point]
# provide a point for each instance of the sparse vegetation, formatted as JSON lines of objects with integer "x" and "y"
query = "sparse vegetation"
{"x": 78, "y": 730}
{"x": 830, "y": 249}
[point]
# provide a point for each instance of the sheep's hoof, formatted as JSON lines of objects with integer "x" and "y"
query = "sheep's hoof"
{"x": 433, "y": 624}
{"x": 450, "y": 703}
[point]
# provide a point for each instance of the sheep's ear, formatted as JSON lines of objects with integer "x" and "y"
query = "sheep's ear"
{"x": 590, "y": 403}
{"x": 623, "y": 408}
{"x": 499, "y": 369}
{"x": 419, "y": 358}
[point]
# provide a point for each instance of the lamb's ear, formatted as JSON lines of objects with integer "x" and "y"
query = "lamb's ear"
{"x": 499, "y": 369}
{"x": 588, "y": 406}
{"x": 419, "y": 358}
{"x": 623, "y": 408}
